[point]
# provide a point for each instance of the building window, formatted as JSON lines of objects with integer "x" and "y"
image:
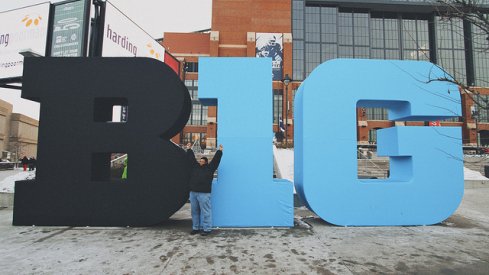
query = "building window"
{"x": 291, "y": 102}
{"x": 450, "y": 47}
{"x": 385, "y": 42}
{"x": 415, "y": 39}
{"x": 312, "y": 24}
{"x": 453, "y": 119}
{"x": 277, "y": 105}
{"x": 329, "y": 33}
{"x": 323, "y": 33}
{"x": 192, "y": 137}
{"x": 298, "y": 42}
{"x": 192, "y": 89}
{"x": 481, "y": 57}
{"x": 298, "y": 60}
{"x": 353, "y": 35}
{"x": 376, "y": 113}
{"x": 482, "y": 114}
{"x": 372, "y": 136}
{"x": 192, "y": 67}
{"x": 313, "y": 56}
{"x": 198, "y": 116}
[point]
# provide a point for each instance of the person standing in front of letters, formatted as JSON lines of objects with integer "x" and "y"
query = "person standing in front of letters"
{"x": 201, "y": 176}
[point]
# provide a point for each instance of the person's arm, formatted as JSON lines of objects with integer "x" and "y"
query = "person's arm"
{"x": 216, "y": 159}
{"x": 191, "y": 156}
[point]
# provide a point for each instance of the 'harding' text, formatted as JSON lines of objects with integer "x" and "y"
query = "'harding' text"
{"x": 122, "y": 41}
{"x": 4, "y": 39}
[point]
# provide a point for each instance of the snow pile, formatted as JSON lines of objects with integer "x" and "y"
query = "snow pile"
{"x": 473, "y": 175}
{"x": 283, "y": 157}
{"x": 285, "y": 162}
{"x": 7, "y": 185}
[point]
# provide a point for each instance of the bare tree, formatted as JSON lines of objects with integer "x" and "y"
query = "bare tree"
{"x": 475, "y": 12}
{"x": 18, "y": 148}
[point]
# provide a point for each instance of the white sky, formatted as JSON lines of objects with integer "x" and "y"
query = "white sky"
{"x": 154, "y": 16}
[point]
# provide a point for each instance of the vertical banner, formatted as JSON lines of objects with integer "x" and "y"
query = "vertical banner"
{"x": 20, "y": 30}
{"x": 70, "y": 28}
{"x": 172, "y": 62}
{"x": 270, "y": 45}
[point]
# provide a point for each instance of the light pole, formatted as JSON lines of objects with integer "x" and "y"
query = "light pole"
{"x": 286, "y": 82}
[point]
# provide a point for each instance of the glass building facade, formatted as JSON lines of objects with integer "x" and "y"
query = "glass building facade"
{"x": 403, "y": 30}
{"x": 389, "y": 29}
{"x": 198, "y": 116}
{"x": 277, "y": 106}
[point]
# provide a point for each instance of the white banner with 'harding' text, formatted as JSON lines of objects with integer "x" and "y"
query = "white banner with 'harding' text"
{"x": 122, "y": 37}
{"x": 24, "y": 29}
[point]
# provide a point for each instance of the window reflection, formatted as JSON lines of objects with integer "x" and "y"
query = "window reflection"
{"x": 323, "y": 33}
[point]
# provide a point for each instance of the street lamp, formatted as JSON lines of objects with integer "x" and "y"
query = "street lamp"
{"x": 286, "y": 82}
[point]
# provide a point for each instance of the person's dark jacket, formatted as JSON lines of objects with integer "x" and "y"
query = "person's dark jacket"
{"x": 32, "y": 162}
{"x": 201, "y": 176}
{"x": 24, "y": 160}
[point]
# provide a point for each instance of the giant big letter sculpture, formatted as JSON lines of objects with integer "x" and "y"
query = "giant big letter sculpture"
{"x": 426, "y": 176}
{"x": 72, "y": 185}
{"x": 245, "y": 193}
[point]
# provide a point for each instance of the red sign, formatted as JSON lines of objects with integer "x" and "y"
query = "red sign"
{"x": 434, "y": 123}
{"x": 172, "y": 62}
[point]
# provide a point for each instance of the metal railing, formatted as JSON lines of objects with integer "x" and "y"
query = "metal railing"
{"x": 119, "y": 161}
{"x": 366, "y": 159}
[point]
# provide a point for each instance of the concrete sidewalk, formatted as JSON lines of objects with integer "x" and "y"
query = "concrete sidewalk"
{"x": 459, "y": 245}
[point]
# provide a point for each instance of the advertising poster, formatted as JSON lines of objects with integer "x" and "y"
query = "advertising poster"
{"x": 22, "y": 29}
{"x": 270, "y": 45}
{"x": 69, "y": 33}
{"x": 122, "y": 37}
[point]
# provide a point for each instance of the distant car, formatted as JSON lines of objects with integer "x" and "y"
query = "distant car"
{"x": 483, "y": 150}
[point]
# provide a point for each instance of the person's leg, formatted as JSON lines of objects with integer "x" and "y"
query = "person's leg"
{"x": 195, "y": 210}
{"x": 206, "y": 211}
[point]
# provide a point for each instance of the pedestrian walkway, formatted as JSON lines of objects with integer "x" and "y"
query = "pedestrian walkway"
{"x": 9, "y": 177}
{"x": 459, "y": 245}
{"x": 7, "y": 173}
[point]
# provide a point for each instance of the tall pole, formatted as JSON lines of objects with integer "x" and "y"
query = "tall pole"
{"x": 477, "y": 132}
{"x": 477, "y": 113}
{"x": 286, "y": 82}
{"x": 286, "y": 113}
{"x": 475, "y": 117}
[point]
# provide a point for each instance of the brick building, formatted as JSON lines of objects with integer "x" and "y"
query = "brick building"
{"x": 313, "y": 32}
{"x": 18, "y": 134}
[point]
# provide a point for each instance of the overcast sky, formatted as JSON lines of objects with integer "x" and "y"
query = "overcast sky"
{"x": 154, "y": 16}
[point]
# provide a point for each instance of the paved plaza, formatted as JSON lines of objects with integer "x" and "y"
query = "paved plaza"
{"x": 459, "y": 245}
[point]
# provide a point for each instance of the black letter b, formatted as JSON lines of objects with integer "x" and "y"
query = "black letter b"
{"x": 72, "y": 185}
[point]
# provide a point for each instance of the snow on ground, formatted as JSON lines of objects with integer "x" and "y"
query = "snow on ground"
{"x": 7, "y": 185}
{"x": 473, "y": 175}
{"x": 285, "y": 163}
{"x": 283, "y": 157}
